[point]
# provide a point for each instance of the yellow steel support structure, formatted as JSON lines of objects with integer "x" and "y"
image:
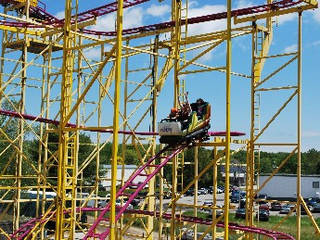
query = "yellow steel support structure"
{"x": 116, "y": 121}
{"x": 228, "y": 119}
{"x": 61, "y": 55}
{"x": 66, "y": 182}
{"x": 260, "y": 54}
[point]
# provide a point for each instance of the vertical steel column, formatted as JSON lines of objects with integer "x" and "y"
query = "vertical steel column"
{"x": 177, "y": 39}
{"x": 214, "y": 193}
{"x": 46, "y": 134}
{"x": 299, "y": 196}
{"x": 116, "y": 121}
{"x": 101, "y": 93}
{"x": 66, "y": 92}
{"x": 161, "y": 203}
{"x": 176, "y": 4}
{"x": 250, "y": 146}
{"x": 151, "y": 184}
{"x": 196, "y": 185}
{"x": 19, "y": 158}
{"x": 125, "y": 115}
{"x": 228, "y": 117}
{"x": 2, "y": 61}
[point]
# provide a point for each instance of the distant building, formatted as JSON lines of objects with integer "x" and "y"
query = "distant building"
{"x": 284, "y": 186}
{"x": 128, "y": 171}
{"x": 237, "y": 173}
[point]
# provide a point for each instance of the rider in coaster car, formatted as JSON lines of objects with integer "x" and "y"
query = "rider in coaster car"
{"x": 173, "y": 113}
{"x": 200, "y": 107}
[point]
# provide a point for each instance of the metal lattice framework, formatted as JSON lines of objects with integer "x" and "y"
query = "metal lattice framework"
{"x": 52, "y": 93}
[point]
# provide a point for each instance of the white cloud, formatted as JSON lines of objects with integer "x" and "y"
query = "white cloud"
{"x": 291, "y": 48}
{"x": 244, "y": 3}
{"x": 286, "y": 18}
{"x": 206, "y": 26}
{"x": 59, "y": 15}
{"x": 316, "y": 43}
{"x": 316, "y": 14}
{"x": 158, "y": 10}
{"x": 309, "y": 134}
{"x": 131, "y": 18}
{"x": 93, "y": 53}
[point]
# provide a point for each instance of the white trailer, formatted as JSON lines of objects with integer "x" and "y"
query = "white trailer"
{"x": 284, "y": 186}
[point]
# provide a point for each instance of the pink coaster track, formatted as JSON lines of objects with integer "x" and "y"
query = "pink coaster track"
{"x": 50, "y": 20}
{"x": 212, "y": 17}
{"x": 151, "y": 163}
{"x": 232, "y": 226}
{"x": 71, "y": 125}
{"x": 100, "y": 11}
{"x": 26, "y": 228}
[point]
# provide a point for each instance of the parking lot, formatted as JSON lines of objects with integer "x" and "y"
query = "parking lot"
{"x": 208, "y": 198}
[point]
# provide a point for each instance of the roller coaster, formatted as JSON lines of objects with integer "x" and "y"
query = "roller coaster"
{"x": 29, "y": 27}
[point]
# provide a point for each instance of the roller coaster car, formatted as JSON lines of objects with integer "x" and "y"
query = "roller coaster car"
{"x": 194, "y": 126}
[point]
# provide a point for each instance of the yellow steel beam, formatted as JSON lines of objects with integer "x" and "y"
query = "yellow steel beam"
{"x": 299, "y": 97}
{"x": 89, "y": 85}
{"x": 73, "y": 27}
{"x": 20, "y": 30}
{"x": 312, "y": 2}
{"x": 314, "y": 223}
{"x": 276, "y": 71}
{"x": 275, "y": 171}
{"x": 228, "y": 121}
{"x": 275, "y": 115}
{"x": 116, "y": 121}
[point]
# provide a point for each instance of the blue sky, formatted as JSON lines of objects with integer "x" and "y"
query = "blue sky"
{"x": 211, "y": 86}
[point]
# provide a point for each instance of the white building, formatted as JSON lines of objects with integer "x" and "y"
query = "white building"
{"x": 284, "y": 186}
{"x": 128, "y": 171}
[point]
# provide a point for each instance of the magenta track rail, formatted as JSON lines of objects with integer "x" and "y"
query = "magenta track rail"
{"x": 151, "y": 163}
{"x": 232, "y": 226}
{"x": 48, "y": 19}
{"x": 71, "y": 125}
{"x": 26, "y": 228}
{"x": 96, "y": 12}
{"x": 216, "y": 16}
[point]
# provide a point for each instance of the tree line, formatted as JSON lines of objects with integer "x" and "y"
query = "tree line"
{"x": 268, "y": 160}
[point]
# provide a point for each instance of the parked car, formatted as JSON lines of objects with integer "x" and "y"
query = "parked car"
{"x": 135, "y": 202}
{"x": 237, "y": 196}
{"x": 311, "y": 202}
{"x": 303, "y": 210}
{"x": 261, "y": 198}
{"x": 167, "y": 195}
{"x": 202, "y": 191}
{"x": 264, "y": 207}
{"x": 102, "y": 203}
{"x": 219, "y": 212}
{"x": 316, "y": 208}
{"x": 208, "y": 203}
{"x": 118, "y": 203}
{"x": 263, "y": 215}
{"x": 221, "y": 188}
{"x": 241, "y": 213}
{"x": 275, "y": 206}
{"x": 189, "y": 192}
{"x": 285, "y": 209}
